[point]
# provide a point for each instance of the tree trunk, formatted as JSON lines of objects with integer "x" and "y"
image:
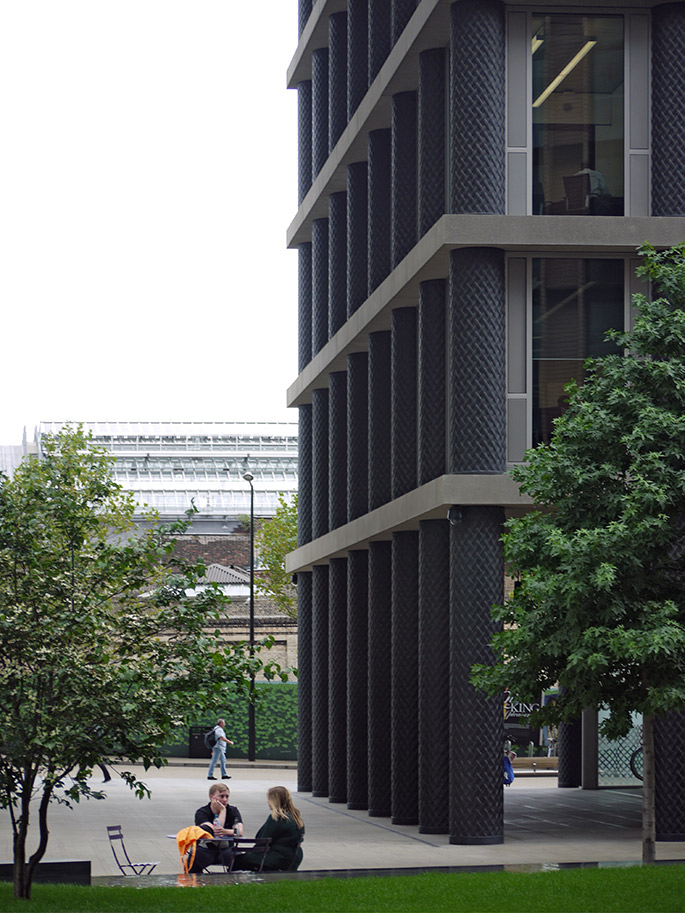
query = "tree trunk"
{"x": 648, "y": 818}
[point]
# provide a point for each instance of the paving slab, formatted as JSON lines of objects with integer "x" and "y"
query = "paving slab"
{"x": 543, "y": 826}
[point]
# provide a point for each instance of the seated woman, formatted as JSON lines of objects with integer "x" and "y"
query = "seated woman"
{"x": 286, "y": 829}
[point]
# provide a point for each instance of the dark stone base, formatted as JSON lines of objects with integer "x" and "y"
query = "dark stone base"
{"x": 477, "y": 841}
{"x": 54, "y": 871}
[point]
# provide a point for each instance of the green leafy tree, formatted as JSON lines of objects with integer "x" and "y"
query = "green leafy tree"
{"x": 103, "y": 654}
{"x": 600, "y": 605}
{"x": 273, "y": 540}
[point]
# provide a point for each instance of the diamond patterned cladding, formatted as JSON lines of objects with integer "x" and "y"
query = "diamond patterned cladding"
{"x": 380, "y": 564}
{"x": 357, "y": 236}
{"x": 337, "y": 262}
{"x": 357, "y": 435}
{"x": 403, "y": 401}
{"x": 669, "y": 800}
{"x": 405, "y": 664}
{"x": 434, "y": 685}
{"x": 431, "y": 147}
{"x": 477, "y": 359}
{"x": 319, "y": 109}
{"x": 304, "y": 682}
{"x": 357, "y": 679}
{"x": 304, "y": 304}
{"x": 304, "y": 138}
{"x": 337, "y": 449}
{"x": 319, "y": 284}
{"x": 431, "y": 380}
{"x": 403, "y": 170}
{"x": 668, "y": 110}
{"x": 319, "y": 463}
{"x": 304, "y": 497}
{"x": 379, "y": 35}
{"x": 379, "y": 419}
{"x": 337, "y": 680}
{"x": 337, "y": 77}
{"x": 357, "y": 53}
{"x": 379, "y": 207}
{"x": 477, "y": 96}
{"x": 320, "y": 680}
{"x": 400, "y": 15}
{"x": 476, "y": 730}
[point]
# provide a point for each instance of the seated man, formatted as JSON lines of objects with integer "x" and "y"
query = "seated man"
{"x": 220, "y": 820}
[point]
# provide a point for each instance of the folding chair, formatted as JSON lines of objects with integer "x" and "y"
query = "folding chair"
{"x": 254, "y": 845}
{"x": 137, "y": 868}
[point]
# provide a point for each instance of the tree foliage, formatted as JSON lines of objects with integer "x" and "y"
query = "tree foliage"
{"x": 274, "y": 539}
{"x": 102, "y": 654}
{"x": 599, "y": 605}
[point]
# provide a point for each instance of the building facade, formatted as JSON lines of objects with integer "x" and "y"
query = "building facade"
{"x": 474, "y": 179}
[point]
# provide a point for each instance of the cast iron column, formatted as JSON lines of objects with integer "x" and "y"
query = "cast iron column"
{"x": 380, "y": 614}
{"x": 320, "y": 680}
{"x": 337, "y": 681}
{"x": 357, "y": 679}
{"x": 304, "y": 682}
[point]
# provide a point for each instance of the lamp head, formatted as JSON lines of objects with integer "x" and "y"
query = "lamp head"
{"x": 248, "y": 476}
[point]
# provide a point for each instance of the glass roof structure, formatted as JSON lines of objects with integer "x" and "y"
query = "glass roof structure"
{"x": 168, "y": 465}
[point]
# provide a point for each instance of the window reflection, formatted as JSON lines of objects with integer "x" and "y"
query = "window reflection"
{"x": 575, "y": 302}
{"x": 578, "y": 119}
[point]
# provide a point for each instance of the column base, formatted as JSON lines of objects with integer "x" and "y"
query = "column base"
{"x": 410, "y": 821}
{"x": 433, "y": 830}
{"x": 357, "y": 806}
{"x": 477, "y": 841}
{"x": 319, "y": 794}
{"x": 379, "y": 813}
{"x": 340, "y": 799}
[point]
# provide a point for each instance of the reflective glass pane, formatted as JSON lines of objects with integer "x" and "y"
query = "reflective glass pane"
{"x": 574, "y": 303}
{"x": 578, "y": 119}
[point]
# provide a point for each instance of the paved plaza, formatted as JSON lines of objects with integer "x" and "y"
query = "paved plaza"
{"x": 543, "y": 825}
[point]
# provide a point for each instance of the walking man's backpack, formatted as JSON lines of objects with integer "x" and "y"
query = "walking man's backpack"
{"x": 210, "y": 738}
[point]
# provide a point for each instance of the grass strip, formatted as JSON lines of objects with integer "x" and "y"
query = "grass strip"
{"x": 656, "y": 889}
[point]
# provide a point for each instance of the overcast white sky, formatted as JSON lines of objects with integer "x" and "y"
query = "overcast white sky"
{"x": 147, "y": 178}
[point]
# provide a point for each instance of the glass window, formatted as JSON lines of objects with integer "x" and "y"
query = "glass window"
{"x": 578, "y": 119}
{"x": 574, "y": 303}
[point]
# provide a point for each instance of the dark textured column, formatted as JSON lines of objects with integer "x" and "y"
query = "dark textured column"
{"x": 304, "y": 682}
{"x": 304, "y": 138}
{"x": 403, "y": 221}
{"x": 319, "y": 463}
{"x": 668, "y": 110}
{"x": 379, "y": 35}
{"x": 477, "y": 97}
{"x": 403, "y": 402}
{"x": 320, "y": 680}
{"x": 319, "y": 109}
{"x": 337, "y": 449}
{"x": 337, "y": 262}
{"x": 476, "y": 731}
{"x": 337, "y": 681}
{"x": 669, "y": 793}
{"x": 304, "y": 496}
{"x": 357, "y": 679}
{"x": 434, "y": 676}
{"x": 432, "y": 380}
{"x": 357, "y": 53}
{"x": 357, "y": 435}
{"x": 379, "y": 207}
{"x": 357, "y": 236}
{"x": 337, "y": 77}
{"x": 477, "y": 359}
{"x": 431, "y": 130}
{"x": 380, "y": 573}
{"x": 400, "y": 14}
{"x": 379, "y": 419}
{"x": 570, "y": 750}
{"x": 304, "y": 308}
{"x": 319, "y": 284}
{"x": 405, "y": 679}
{"x": 304, "y": 10}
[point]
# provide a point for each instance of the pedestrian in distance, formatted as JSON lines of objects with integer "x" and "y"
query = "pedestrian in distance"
{"x": 219, "y": 751}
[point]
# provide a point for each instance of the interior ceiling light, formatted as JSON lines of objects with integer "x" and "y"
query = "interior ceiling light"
{"x": 570, "y": 66}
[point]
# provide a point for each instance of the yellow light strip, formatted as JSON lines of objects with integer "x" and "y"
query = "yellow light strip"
{"x": 571, "y": 65}
{"x": 536, "y": 43}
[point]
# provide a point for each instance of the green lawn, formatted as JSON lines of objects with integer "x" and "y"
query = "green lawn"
{"x": 659, "y": 888}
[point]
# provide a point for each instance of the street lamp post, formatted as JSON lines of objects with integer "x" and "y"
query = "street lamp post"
{"x": 250, "y": 711}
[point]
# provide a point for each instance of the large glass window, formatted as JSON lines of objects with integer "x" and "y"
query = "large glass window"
{"x": 574, "y": 303}
{"x": 578, "y": 116}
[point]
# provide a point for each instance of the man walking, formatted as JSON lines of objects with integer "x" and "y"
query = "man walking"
{"x": 219, "y": 751}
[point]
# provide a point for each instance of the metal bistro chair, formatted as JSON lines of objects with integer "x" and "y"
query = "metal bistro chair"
{"x": 136, "y": 868}
{"x": 254, "y": 845}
